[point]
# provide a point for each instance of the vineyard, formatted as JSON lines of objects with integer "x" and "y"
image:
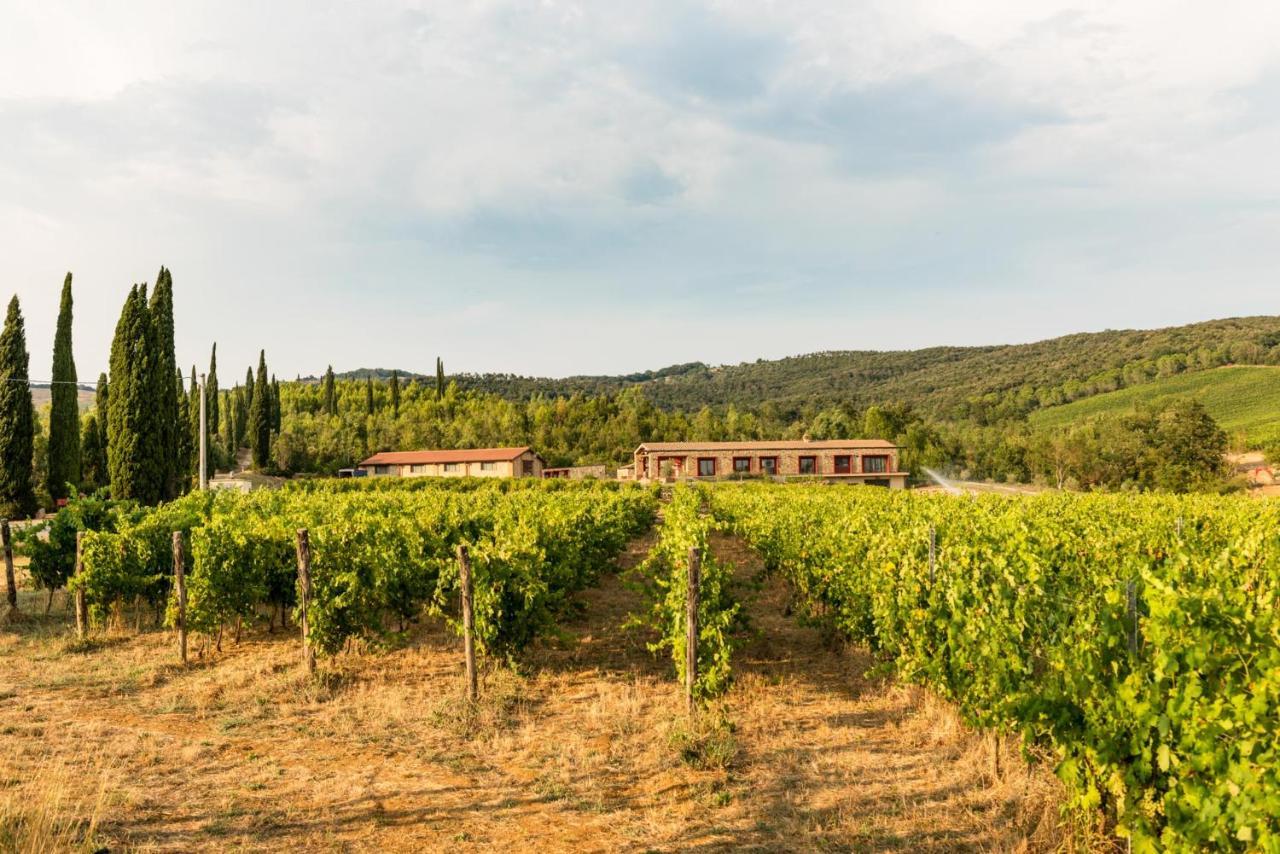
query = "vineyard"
{"x": 1133, "y": 640}
{"x": 1137, "y": 636}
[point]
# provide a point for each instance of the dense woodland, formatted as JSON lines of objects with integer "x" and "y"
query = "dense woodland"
{"x": 962, "y": 411}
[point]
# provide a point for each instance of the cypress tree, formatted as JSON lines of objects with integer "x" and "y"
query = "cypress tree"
{"x": 328, "y": 393}
{"x": 17, "y": 418}
{"x": 193, "y": 427}
{"x": 186, "y": 450}
{"x": 93, "y": 453}
{"x": 166, "y": 416}
{"x": 64, "y": 413}
{"x": 249, "y": 388}
{"x": 439, "y": 378}
{"x": 100, "y": 400}
{"x": 260, "y": 416}
{"x": 241, "y": 410}
{"x": 277, "y": 414}
{"x": 395, "y": 393}
{"x": 211, "y": 390}
{"x": 368, "y": 394}
{"x": 122, "y": 434}
{"x": 228, "y": 426}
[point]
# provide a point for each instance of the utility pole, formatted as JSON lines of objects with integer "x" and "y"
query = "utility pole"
{"x": 204, "y": 436}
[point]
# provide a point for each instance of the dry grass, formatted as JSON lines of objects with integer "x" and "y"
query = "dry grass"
{"x": 588, "y": 750}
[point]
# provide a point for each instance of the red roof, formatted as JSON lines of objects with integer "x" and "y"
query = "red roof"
{"x": 462, "y": 455}
{"x": 780, "y": 445}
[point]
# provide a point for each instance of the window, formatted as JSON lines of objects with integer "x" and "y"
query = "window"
{"x": 842, "y": 464}
{"x": 526, "y": 467}
{"x": 418, "y": 468}
{"x": 451, "y": 467}
{"x": 381, "y": 469}
{"x": 808, "y": 465}
{"x": 706, "y": 466}
{"x": 875, "y": 464}
{"x": 488, "y": 466}
{"x": 769, "y": 465}
{"x": 741, "y": 465}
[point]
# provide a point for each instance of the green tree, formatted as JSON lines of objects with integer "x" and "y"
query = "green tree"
{"x": 187, "y": 438}
{"x": 211, "y": 390}
{"x": 100, "y": 398}
{"x": 17, "y": 418}
{"x": 193, "y": 428}
{"x": 368, "y": 395}
{"x": 133, "y": 462}
{"x": 249, "y": 387}
{"x": 276, "y": 417}
{"x": 165, "y": 392}
{"x": 395, "y": 393}
{"x": 260, "y": 416}
{"x": 93, "y": 455}
{"x": 329, "y": 393}
{"x": 439, "y": 378}
{"x": 64, "y": 411}
{"x": 229, "y": 425}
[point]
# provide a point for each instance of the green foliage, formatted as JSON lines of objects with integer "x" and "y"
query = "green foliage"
{"x": 212, "y": 411}
{"x": 64, "y": 465}
{"x": 93, "y": 454}
{"x": 17, "y": 418}
{"x": 51, "y": 543}
{"x": 165, "y": 445}
{"x": 1164, "y": 716}
{"x": 135, "y": 463}
{"x": 379, "y": 556}
{"x": 1241, "y": 398}
{"x": 260, "y": 416}
{"x": 665, "y": 577}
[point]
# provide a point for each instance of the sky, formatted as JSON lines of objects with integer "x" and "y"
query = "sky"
{"x": 577, "y": 188}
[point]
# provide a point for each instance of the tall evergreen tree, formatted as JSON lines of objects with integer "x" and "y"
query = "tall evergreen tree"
{"x": 229, "y": 425}
{"x": 193, "y": 428}
{"x": 17, "y": 418}
{"x": 135, "y": 462}
{"x": 395, "y": 393}
{"x": 211, "y": 390}
{"x": 368, "y": 395}
{"x": 64, "y": 412}
{"x": 100, "y": 401}
{"x": 166, "y": 416}
{"x": 277, "y": 415}
{"x": 260, "y": 416}
{"x": 439, "y": 378}
{"x": 249, "y": 387}
{"x": 93, "y": 455}
{"x": 328, "y": 393}
{"x": 186, "y": 452}
{"x": 240, "y": 403}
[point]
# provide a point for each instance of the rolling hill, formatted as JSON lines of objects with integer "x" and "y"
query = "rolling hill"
{"x": 986, "y": 383}
{"x": 1243, "y": 399}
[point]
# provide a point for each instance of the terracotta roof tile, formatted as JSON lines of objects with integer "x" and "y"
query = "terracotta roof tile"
{"x": 780, "y": 445}
{"x": 461, "y": 455}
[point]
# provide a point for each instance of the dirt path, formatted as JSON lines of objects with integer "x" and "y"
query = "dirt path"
{"x": 581, "y": 752}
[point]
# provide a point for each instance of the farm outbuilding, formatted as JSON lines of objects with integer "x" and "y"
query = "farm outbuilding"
{"x": 868, "y": 461}
{"x": 464, "y": 462}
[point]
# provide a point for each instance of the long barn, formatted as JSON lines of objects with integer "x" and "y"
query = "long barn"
{"x": 463, "y": 462}
{"x": 868, "y": 461}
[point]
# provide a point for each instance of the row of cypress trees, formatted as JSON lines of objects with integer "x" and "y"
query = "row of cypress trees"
{"x": 142, "y": 438}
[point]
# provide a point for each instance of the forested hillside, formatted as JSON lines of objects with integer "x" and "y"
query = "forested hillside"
{"x": 981, "y": 383}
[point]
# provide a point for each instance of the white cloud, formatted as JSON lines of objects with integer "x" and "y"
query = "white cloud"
{"x": 956, "y": 165}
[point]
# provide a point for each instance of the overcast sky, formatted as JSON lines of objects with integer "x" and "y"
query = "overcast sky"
{"x": 560, "y": 188}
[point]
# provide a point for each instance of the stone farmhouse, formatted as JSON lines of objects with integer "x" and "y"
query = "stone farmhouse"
{"x": 468, "y": 462}
{"x": 868, "y": 461}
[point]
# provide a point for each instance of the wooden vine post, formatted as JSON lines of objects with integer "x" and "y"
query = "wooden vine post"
{"x": 82, "y": 612}
{"x": 304, "y": 598}
{"x": 10, "y": 582}
{"x": 691, "y": 628}
{"x": 180, "y": 593}
{"x": 468, "y": 633}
